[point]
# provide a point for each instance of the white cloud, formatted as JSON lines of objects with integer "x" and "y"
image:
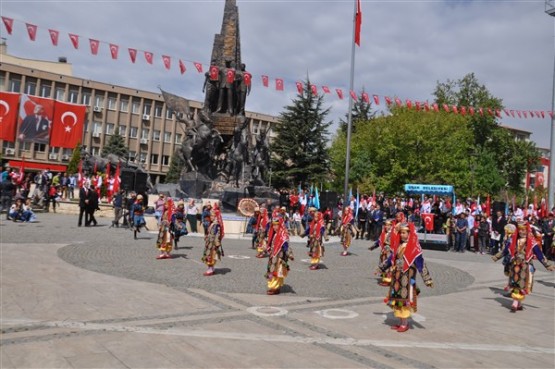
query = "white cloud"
{"x": 407, "y": 47}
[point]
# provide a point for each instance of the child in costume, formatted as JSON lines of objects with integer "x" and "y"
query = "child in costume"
{"x": 261, "y": 227}
{"x": 405, "y": 260}
{"x": 384, "y": 242}
{"x": 347, "y": 230}
{"x": 137, "y": 214}
{"x": 164, "y": 242}
{"x": 213, "y": 241}
{"x": 315, "y": 233}
{"x": 279, "y": 255}
{"x": 521, "y": 249}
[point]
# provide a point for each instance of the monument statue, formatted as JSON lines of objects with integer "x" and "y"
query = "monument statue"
{"x": 211, "y": 86}
{"x": 227, "y": 89}
{"x": 243, "y": 88}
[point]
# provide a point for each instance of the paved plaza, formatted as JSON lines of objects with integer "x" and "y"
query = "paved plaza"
{"x": 92, "y": 297}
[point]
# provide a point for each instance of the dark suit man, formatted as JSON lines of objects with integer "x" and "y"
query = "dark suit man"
{"x": 35, "y": 127}
{"x": 83, "y": 202}
{"x": 92, "y": 206}
{"x": 498, "y": 224}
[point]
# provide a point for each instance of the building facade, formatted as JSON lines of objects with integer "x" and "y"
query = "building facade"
{"x": 148, "y": 127}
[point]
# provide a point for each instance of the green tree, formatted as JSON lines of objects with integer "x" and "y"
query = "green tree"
{"x": 174, "y": 171}
{"x": 73, "y": 165}
{"x": 116, "y": 145}
{"x": 299, "y": 153}
{"x": 361, "y": 112}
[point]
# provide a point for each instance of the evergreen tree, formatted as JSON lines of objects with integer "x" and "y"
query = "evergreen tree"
{"x": 174, "y": 171}
{"x": 362, "y": 112}
{"x": 73, "y": 165}
{"x": 299, "y": 153}
{"x": 116, "y": 145}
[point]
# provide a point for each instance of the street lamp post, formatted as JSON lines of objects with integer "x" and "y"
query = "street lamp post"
{"x": 550, "y": 10}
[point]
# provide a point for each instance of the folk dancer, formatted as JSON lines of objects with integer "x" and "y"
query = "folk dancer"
{"x": 384, "y": 243}
{"x": 261, "y": 227}
{"x": 315, "y": 233}
{"x": 347, "y": 230}
{"x": 280, "y": 254}
{"x": 137, "y": 215}
{"x": 405, "y": 260}
{"x": 522, "y": 247}
{"x": 165, "y": 239}
{"x": 178, "y": 227}
{"x": 254, "y": 222}
{"x": 213, "y": 241}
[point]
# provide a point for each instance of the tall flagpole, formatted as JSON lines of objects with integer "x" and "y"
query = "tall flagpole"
{"x": 350, "y": 116}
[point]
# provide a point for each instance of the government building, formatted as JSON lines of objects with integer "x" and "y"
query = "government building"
{"x": 148, "y": 127}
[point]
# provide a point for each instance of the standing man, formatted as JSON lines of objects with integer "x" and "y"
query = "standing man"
{"x": 83, "y": 202}
{"x": 118, "y": 207}
{"x": 243, "y": 79}
{"x": 92, "y": 206}
{"x": 498, "y": 224}
{"x": 547, "y": 230}
{"x": 461, "y": 226}
{"x": 35, "y": 127}
{"x": 227, "y": 80}
{"x": 211, "y": 86}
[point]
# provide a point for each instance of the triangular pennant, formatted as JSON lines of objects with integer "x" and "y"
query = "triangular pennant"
{"x": 167, "y": 61}
{"x": 114, "y": 49}
{"x": 339, "y": 93}
{"x": 8, "y": 23}
{"x": 149, "y": 57}
{"x": 133, "y": 55}
{"x": 54, "y": 36}
{"x": 32, "y": 30}
{"x": 74, "y": 40}
{"x": 182, "y": 67}
{"x": 279, "y": 84}
{"x": 95, "y": 44}
{"x": 265, "y": 81}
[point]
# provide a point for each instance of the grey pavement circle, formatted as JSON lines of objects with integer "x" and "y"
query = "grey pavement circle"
{"x": 113, "y": 251}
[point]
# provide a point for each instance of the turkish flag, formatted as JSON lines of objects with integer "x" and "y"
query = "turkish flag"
{"x": 117, "y": 179}
{"x": 498, "y": 113}
{"x": 230, "y": 75}
{"x": 8, "y": 115}
{"x": 426, "y": 106}
{"x": 398, "y": 102}
{"x": 95, "y": 44}
{"x": 8, "y": 23}
{"x": 167, "y": 61}
{"x": 279, "y": 84}
{"x": 339, "y": 93}
{"x": 74, "y": 40}
{"x": 541, "y": 112}
{"x": 455, "y": 109}
{"x": 32, "y": 30}
{"x": 149, "y": 57}
{"x": 463, "y": 110}
{"x": 214, "y": 72}
{"x": 265, "y": 81}
{"x": 446, "y": 108}
{"x": 133, "y": 55}
{"x": 366, "y": 98}
{"x": 114, "y": 51}
{"x": 182, "y": 67}
{"x": 68, "y": 124}
{"x": 481, "y": 111}
{"x": 388, "y": 100}
{"x": 358, "y": 23}
{"x": 428, "y": 220}
{"x": 326, "y": 89}
{"x": 247, "y": 77}
{"x": 409, "y": 104}
{"x": 299, "y": 87}
{"x": 525, "y": 114}
{"x": 417, "y": 105}
{"x": 539, "y": 179}
{"x": 471, "y": 110}
{"x": 490, "y": 112}
{"x": 436, "y": 107}
{"x": 353, "y": 95}
{"x": 376, "y": 99}
{"x": 519, "y": 114}
{"x": 198, "y": 66}
{"x": 314, "y": 89}
{"x": 54, "y": 36}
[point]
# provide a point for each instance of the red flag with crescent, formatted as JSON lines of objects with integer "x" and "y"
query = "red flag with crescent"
{"x": 149, "y": 57}
{"x": 247, "y": 77}
{"x": 230, "y": 75}
{"x": 117, "y": 179}
{"x": 74, "y": 40}
{"x": 265, "y": 81}
{"x": 8, "y": 115}
{"x": 67, "y": 125}
{"x": 428, "y": 220}
{"x": 314, "y": 89}
{"x": 54, "y": 36}
{"x": 32, "y": 30}
{"x": 95, "y": 44}
{"x": 299, "y": 87}
{"x": 339, "y": 93}
{"x": 198, "y": 66}
{"x": 279, "y": 84}
{"x": 114, "y": 51}
{"x": 214, "y": 72}
{"x": 326, "y": 89}
{"x": 133, "y": 55}
{"x": 8, "y": 23}
{"x": 182, "y": 67}
{"x": 167, "y": 61}
{"x": 353, "y": 95}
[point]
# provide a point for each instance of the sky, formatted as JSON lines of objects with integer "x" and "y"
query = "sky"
{"x": 407, "y": 47}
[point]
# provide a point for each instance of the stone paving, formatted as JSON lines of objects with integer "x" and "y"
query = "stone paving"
{"x": 92, "y": 297}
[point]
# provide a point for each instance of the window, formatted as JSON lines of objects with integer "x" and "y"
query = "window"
{"x": 68, "y": 152}
{"x": 142, "y": 157}
{"x": 30, "y": 87}
{"x": 124, "y": 105}
{"x": 109, "y": 128}
{"x": 112, "y": 100}
{"x": 2, "y": 80}
{"x": 97, "y": 128}
{"x": 86, "y": 99}
{"x": 135, "y": 106}
{"x": 99, "y": 101}
{"x": 15, "y": 85}
{"x": 178, "y": 138}
{"x": 45, "y": 89}
{"x": 40, "y": 147}
{"x": 133, "y": 132}
{"x": 86, "y": 128}
{"x": 154, "y": 159}
{"x": 26, "y": 146}
{"x": 167, "y": 137}
{"x": 122, "y": 130}
{"x": 95, "y": 151}
{"x": 132, "y": 155}
{"x": 145, "y": 133}
{"x": 165, "y": 160}
{"x": 73, "y": 96}
{"x": 60, "y": 93}
{"x": 169, "y": 114}
{"x": 156, "y": 135}
{"x": 158, "y": 110}
{"x": 146, "y": 108}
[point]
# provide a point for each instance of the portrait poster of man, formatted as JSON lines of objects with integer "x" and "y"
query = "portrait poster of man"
{"x": 35, "y": 117}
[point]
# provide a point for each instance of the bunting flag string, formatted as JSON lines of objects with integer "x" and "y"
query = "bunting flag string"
{"x": 280, "y": 83}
